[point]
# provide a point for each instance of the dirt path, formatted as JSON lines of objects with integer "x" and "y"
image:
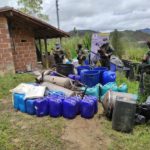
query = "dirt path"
{"x": 84, "y": 134}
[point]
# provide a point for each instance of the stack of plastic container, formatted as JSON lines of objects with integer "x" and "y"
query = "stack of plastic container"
{"x": 56, "y": 106}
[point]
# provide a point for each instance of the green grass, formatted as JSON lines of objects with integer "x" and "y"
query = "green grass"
{"x": 134, "y": 53}
{"x": 10, "y": 81}
{"x": 24, "y": 132}
{"x": 21, "y": 131}
{"x": 137, "y": 140}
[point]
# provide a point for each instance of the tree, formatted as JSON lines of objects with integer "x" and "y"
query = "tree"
{"x": 116, "y": 43}
{"x": 32, "y": 7}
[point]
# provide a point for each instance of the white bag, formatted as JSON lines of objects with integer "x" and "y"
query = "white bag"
{"x": 30, "y": 91}
{"x": 21, "y": 88}
{"x": 35, "y": 92}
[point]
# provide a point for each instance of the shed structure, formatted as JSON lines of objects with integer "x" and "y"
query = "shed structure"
{"x": 18, "y": 33}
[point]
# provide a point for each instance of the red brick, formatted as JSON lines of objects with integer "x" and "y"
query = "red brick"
{"x": 4, "y": 31}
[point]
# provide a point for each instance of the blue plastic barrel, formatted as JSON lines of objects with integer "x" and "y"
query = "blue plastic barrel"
{"x": 113, "y": 67}
{"x": 69, "y": 108}
{"x": 55, "y": 106}
{"x": 87, "y": 108}
{"x": 41, "y": 107}
{"x": 30, "y": 106}
{"x": 108, "y": 76}
{"x": 86, "y": 62}
{"x": 80, "y": 68}
{"x": 100, "y": 68}
{"x": 101, "y": 71}
{"x": 95, "y": 100}
{"x": 90, "y": 78}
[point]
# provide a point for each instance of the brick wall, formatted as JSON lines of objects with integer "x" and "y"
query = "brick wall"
{"x": 6, "y": 57}
{"x": 25, "y": 51}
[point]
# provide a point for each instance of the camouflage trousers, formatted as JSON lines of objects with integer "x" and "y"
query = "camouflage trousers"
{"x": 146, "y": 82}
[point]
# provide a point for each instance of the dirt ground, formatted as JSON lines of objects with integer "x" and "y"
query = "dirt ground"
{"x": 85, "y": 134}
{"x": 22, "y": 131}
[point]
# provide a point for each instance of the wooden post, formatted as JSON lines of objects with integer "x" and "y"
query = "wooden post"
{"x": 40, "y": 47}
{"x": 46, "y": 52}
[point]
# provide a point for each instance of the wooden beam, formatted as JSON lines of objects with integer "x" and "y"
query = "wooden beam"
{"x": 40, "y": 46}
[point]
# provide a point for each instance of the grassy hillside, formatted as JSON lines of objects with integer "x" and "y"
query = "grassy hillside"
{"x": 135, "y": 36}
{"x": 133, "y": 44}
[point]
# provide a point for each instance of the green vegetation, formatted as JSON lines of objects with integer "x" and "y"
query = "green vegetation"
{"x": 129, "y": 44}
{"x": 10, "y": 81}
{"x": 116, "y": 43}
{"x": 137, "y": 140}
{"x": 70, "y": 44}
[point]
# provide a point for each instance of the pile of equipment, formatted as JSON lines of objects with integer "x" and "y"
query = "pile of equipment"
{"x": 69, "y": 91}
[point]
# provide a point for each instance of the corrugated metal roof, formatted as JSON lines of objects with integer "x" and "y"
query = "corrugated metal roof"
{"x": 41, "y": 29}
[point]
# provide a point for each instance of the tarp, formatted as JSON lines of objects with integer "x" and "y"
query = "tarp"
{"x": 97, "y": 41}
{"x": 30, "y": 91}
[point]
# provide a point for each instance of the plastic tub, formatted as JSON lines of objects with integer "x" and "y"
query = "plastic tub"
{"x": 101, "y": 68}
{"x": 80, "y": 68}
{"x": 101, "y": 71}
{"x": 90, "y": 78}
{"x": 65, "y": 69}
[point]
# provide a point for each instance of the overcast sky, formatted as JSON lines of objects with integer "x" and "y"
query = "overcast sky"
{"x": 99, "y": 15}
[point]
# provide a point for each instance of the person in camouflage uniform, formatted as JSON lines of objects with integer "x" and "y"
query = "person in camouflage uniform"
{"x": 81, "y": 55}
{"x": 145, "y": 73}
{"x": 58, "y": 54}
{"x": 105, "y": 52}
{"x": 146, "y": 58}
